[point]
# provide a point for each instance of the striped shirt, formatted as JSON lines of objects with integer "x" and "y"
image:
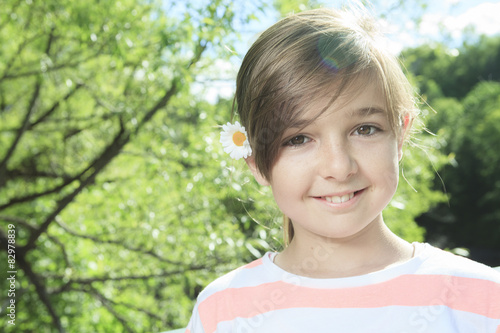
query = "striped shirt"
{"x": 435, "y": 291}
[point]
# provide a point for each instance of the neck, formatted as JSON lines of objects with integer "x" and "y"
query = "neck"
{"x": 373, "y": 249}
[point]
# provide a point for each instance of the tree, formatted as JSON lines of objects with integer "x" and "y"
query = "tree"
{"x": 82, "y": 83}
{"x": 462, "y": 87}
{"x": 455, "y": 71}
{"x": 470, "y": 132}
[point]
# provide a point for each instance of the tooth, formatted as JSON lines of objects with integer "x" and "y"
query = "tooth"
{"x": 340, "y": 199}
{"x": 336, "y": 199}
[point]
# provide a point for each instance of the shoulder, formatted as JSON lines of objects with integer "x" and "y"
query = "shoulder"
{"x": 446, "y": 263}
{"x": 251, "y": 274}
{"x": 221, "y": 297}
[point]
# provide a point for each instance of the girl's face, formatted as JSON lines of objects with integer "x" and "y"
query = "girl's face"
{"x": 334, "y": 177}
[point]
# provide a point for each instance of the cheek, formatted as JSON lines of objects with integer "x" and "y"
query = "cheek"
{"x": 390, "y": 174}
{"x": 285, "y": 185}
{"x": 383, "y": 167}
{"x": 284, "y": 196}
{"x": 289, "y": 182}
{"x": 389, "y": 181}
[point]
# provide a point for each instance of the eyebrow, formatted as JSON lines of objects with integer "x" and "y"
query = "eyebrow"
{"x": 361, "y": 112}
{"x": 368, "y": 111}
{"x": 301, "y": 123}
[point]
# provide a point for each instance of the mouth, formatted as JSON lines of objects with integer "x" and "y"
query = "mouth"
{"x": 338, "y": 199}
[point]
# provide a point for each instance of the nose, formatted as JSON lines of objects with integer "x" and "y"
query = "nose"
{"x": 336, "y": 160}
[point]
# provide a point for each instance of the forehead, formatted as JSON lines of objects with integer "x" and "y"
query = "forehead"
{"x": 360, "y": 99}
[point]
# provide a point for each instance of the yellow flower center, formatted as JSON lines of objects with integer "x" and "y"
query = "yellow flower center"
{"x": 239, "y": 138}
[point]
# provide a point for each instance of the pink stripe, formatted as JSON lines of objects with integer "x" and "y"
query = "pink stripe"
{"x": 463, "y": 294}
{"x": 254, "y": 263}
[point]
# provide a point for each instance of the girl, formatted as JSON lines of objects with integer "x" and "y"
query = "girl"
{"x": 325, "y": 111}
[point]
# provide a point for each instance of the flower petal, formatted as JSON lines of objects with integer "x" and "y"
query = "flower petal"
{"x": 235, "y": 150}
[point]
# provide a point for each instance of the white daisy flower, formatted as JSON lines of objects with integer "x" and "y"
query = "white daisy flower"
{"x": 234, "y": 139}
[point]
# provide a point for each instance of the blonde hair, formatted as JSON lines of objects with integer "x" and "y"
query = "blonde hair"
{"x": 302, "y": 57}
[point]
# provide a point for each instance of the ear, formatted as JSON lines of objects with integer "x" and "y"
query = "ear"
{"x": 255, "y": 171}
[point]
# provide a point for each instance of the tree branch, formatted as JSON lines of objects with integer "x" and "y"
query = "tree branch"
{"x": 55, "y": 67}
{"x": 17, "y": 220}
{"x": 108, "y": 306}
{"x": 106, "y": 278}
{"x": 15, "y": 56}
{"x": 54, "y": 106}
{"x": 63, "y": 249}
{"x": 28, "y": 174}
{"x": 117, "y": 242}
{"x": 127, "y": 305}
{"x": 112, "y": 150}
{"x": 25, "y": 123}
{"x": 159, "y": 105}
{"x": 36, "y": 280}
{"x": 133, "y": 307}
{"x": 7, "y": 12}
{"x": 201, "y": 47}
{"x": 20, "y": 132}
{"x": 40, "y": 290}
{"x": 33, "y": 196}
{"x": 98, "y": 165}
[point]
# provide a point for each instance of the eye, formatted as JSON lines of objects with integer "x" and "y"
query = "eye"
{"x": 366, "y": 130}
{"x": 297, "y": 140}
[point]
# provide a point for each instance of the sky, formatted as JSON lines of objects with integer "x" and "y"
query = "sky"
{"x": 440, "y": 21}
{"x": 439, "y": 17}
{"x": 443, "y": 20}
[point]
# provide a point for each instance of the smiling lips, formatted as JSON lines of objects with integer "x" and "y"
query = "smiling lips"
{"x": 339, "y": 199}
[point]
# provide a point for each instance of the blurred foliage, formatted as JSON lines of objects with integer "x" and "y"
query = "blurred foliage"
{"x": 448, "y": 72}
{"x": 462, "y": 87}
{"x": 109, "y": 165}
{"x": 124, "y": 203}
{"x": 286, "y": 7}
